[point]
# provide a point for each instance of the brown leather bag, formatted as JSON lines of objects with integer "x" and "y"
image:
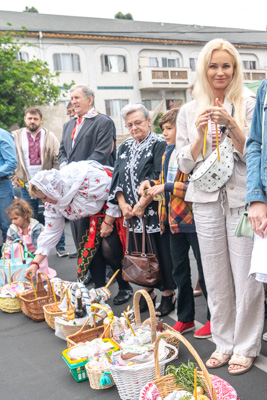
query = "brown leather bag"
{"x": 140, "y": 268}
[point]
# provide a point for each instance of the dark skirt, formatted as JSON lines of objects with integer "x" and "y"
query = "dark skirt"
{"x": 161, "y": 247}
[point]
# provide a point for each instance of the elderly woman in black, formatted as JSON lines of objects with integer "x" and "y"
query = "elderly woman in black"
{"x": 139, "y": 158}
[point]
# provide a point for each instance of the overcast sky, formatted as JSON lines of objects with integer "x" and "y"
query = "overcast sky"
{"x": 248, "y": 14}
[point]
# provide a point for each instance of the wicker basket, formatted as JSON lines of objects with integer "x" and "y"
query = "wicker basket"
{"x": 50, "y": 315}
{"x": 166, "y": 384}
{"x": 94, "y": 376}
{"x": 11, "y": 304}
{"x": 174, "y": 341}
{"x": 33, "y": 307}
{"x": 131, "y": 379}
{"x": 85, "y": 334}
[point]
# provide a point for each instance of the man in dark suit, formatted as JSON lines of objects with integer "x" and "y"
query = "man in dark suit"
{"x": 89, "y": 135}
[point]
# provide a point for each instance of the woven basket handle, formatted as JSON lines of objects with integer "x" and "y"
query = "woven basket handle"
{"x": 84, "y": 325}
{"x": 40, "y": 284}
{"x": 192, "y": 351}
{"x": 151, "y": 309}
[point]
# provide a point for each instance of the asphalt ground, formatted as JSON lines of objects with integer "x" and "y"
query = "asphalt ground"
{"x": 31, "y": 355}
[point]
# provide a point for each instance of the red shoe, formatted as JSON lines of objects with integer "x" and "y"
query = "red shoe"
{"x": 204, "y": 332}
{"x": 183, "y": 327}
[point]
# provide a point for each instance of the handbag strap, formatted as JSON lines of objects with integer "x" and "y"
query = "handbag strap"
{"x": 144, "y": 240}
{"x": 127, "y": 236}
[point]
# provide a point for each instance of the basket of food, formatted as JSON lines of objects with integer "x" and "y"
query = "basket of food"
{"x": 51, "y": 311}
{"x": 98, "y": 375}
{"x": 32, "y": 303}
{"x": 162, "y": 326}
{"x": 87, "y": 333}
{"x": 9, "y": 295}
{"x": 197, "y": 383}
{"x": 130, "y": 370}
{"x": 92, "y": 353}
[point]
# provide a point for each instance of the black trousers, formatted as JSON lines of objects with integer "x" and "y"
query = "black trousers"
{"x": 109, "y": 252}
{"x": 180, "y": 245}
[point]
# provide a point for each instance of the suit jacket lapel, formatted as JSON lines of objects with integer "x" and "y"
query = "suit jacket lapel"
{"x": 84, "y": 129}
{"x": 71, "y": 126}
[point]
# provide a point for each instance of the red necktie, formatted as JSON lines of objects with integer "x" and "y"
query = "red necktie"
{"x": 78, "y": 122}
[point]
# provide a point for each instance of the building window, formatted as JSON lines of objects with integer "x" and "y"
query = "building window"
{"x": 153, "y": 62}
{"x": 249, "y": 64}
{"x": 114, "y": 107}
{"x": 170, "y": 62}
{"x": 151, "y": 104}
{"x": 193, "y": 63}
{"x": 66, "y": 62}
{"x": 113, "y": 63}
{"x": 22, "y": 56}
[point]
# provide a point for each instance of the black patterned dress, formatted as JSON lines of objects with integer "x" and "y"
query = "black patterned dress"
{"x": 135, "y": 163}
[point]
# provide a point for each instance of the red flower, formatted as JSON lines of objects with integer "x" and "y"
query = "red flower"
{"x": 97, "y": 180}
{"x": 86, "y": 245}
{"x": 79, "y": 270}
{"x": 80, "y": 260}
{"x": 85, "y": 253}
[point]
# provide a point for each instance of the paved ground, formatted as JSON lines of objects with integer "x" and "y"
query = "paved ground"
{"x": 31, "y": 355}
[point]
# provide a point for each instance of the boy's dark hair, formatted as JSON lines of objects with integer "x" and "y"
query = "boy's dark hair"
{"x": 170, "y": 117}
{"x": 34, "y": 111}
{"x": 20, "y": 207}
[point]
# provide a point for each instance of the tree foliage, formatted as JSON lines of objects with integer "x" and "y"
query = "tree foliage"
{"x": 22, "y": 84}
{"x": 31, "y": 9}
{"x": 120, "y": 15}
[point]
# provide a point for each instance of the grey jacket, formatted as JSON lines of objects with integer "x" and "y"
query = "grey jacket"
{"x": 94, "y": 141}
{"x": 185, "y": 136}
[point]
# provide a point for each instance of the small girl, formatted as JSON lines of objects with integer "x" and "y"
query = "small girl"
{"x": 26, "y": 228}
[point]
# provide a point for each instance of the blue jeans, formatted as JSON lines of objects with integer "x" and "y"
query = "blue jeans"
{"x": 34, "y": 204}
{"x": 6, "y": 198}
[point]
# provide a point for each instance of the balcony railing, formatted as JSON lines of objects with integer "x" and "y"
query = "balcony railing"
{"x": 251, "y": 75}
{"x": 151, "y": 77}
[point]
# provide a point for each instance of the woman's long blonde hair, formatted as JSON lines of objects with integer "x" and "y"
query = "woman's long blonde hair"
{"x": 202, "y": 90}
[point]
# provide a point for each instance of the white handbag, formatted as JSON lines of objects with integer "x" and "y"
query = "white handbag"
{"x": 213, "y": 174}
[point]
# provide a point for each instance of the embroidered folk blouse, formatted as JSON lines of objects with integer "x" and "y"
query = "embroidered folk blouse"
{"x": 135, "y": 163}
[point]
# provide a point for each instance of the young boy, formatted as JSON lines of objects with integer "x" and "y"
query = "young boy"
{"x": 176, "y": 215}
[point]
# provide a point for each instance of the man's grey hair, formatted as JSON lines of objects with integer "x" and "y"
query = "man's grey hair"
{"x": 130, "y": 108}
{"x": 86, "y": 91}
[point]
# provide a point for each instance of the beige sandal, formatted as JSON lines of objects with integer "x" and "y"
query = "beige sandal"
{"x": 245, "y": 363}
{"x": 221, "y": 359}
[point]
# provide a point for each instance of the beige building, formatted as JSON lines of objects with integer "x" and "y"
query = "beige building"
{"x": 127, "y": 61}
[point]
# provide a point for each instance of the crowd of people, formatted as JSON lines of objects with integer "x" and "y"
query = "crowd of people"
{"x": 150, "y": 184}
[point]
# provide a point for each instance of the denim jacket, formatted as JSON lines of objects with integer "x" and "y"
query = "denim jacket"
{"x": 257, "y": 151}
{"x": 36, "y": 229}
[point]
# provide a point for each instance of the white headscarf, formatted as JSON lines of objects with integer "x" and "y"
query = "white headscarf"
{"x": 62, "y": 185}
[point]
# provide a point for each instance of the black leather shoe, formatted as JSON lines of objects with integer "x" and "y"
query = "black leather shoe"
{"x": 123, "y": 296}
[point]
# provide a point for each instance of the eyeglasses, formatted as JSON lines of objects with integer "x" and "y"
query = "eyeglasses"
{"x": 136, "y": 123}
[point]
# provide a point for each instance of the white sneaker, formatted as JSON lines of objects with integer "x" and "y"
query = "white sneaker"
{"x": 264, "y": 337}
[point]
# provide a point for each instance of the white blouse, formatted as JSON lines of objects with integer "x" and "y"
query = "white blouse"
{"x": 88, "y": 200}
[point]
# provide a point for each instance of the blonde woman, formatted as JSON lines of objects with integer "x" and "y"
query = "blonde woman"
{"x": 235, "y": 300}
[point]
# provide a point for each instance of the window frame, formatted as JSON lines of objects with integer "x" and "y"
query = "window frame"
{"x": 74, "y": 63}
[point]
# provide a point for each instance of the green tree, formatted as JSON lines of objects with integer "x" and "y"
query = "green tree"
{"x": 31, "y": 9}
{"x": 120, "y": 15}
{"x": 22, "y": 84}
